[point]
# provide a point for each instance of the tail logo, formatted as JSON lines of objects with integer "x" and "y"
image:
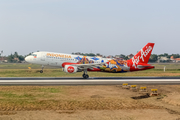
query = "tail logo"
{"x": 145, "y": 53}
{"x": 136, "y": 59}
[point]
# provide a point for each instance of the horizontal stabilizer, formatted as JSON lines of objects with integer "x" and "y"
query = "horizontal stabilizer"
{"x": 142, "y": 66}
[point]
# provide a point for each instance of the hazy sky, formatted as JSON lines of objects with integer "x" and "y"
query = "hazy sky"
{"x": 108, "y": 27}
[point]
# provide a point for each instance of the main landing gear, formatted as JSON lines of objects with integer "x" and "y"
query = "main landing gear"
{"x": 41, "y": 71}
{"x": 85, "y": 75}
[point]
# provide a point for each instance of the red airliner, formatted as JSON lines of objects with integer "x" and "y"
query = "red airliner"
{"x": 77, "y": 63}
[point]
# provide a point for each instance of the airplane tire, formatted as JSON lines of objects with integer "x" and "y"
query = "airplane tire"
{"x": 86, "y": 76}
{"x": 83, "y": 75}
{"x": 41, "y": 71}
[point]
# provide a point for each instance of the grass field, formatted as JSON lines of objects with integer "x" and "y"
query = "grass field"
{"x": 21, "y": 66}
{"x": 60, "y": 73}
{"x": 21, "y": 70}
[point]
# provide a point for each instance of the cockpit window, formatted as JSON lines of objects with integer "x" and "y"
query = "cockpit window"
{"x": 34, "y": 55}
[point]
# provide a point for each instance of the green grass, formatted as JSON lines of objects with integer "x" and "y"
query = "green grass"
{"x": 13, "y": 96}
{"x": 60, "y": 73}
{"x": 168, "y": 65}
{"x": 21, "y": 66}
{"x": 21, "y": 70}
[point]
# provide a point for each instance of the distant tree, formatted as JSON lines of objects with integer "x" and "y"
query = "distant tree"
{"x": 21, "y": 58}
{"x": 16, "y": 55}
{"x": 98, "y": 54}
{"x": 176, "y": 55}
{"x": 10, "y": 58}
{"x": 126, "y": 58}
{"x": 161, "y": 55}
{"x": 28, "y": 54}
{"x": 88, "y": 54}
{"x": 169, "y": 56}
{"x": 153, "y": 58}
{"x": 122, "y": 56}
{"x": 91, "y": 54}
{"x": 166, "y": 54}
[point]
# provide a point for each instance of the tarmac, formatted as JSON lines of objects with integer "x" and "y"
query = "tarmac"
{"x": 44, "y": 81}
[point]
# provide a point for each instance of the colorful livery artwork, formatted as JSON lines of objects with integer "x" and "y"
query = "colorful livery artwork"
{"x": 77, "y": 63}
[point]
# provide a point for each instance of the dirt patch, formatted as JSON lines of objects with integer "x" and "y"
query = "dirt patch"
{"x": 88, "y": 102}
{"x": 96, "y": 96}
{"x": 148, "y": 114}
{"x": 8, "y": 112}
{"x": 141, "y": 97}
{"x": 173, "y": 99}
{"x": 66, "y": 111}
{"x": 172, "y": 111}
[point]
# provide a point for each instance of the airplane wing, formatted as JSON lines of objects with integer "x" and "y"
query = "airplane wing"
{"x": 86, "y": 66}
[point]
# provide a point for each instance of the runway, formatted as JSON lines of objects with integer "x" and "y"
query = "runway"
{"x": 91, "y": 81}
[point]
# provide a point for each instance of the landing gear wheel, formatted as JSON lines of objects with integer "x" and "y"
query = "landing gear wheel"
{"x": 86, "y": 76}
{"x": 83, "y": 75}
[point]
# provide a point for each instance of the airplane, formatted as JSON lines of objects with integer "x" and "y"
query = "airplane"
{"x": 77, "y": 63}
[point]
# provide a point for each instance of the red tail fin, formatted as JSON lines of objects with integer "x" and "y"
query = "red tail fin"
{"x": 144, "y": 54}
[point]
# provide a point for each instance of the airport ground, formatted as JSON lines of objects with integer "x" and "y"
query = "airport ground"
{"x": 88, "y": 103}
{"x": 110, "y": 102}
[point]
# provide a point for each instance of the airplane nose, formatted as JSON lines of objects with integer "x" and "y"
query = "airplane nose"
{"x": 27, "y": 59}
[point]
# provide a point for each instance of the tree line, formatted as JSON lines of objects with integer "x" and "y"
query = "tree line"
{"x": 14, "y": 58}
{"x": 155, "y": 57}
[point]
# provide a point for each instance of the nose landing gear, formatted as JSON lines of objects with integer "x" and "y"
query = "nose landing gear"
{"x": 41, "y": 71}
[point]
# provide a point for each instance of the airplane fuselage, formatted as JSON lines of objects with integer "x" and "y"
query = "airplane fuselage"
{"x": 77, "y": 63}
{"x": 57, "y": 59}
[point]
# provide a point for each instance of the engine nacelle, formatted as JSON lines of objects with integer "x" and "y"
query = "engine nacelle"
{"x": 70, "y": 69}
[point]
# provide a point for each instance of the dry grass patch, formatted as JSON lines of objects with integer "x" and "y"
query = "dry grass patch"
{"x": 16, "y": 98}
{"x": 8, "y": 112}
{"x": 90, "y": 104}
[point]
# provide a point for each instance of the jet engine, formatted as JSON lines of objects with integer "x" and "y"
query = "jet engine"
{"x": 70, "y": 69}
